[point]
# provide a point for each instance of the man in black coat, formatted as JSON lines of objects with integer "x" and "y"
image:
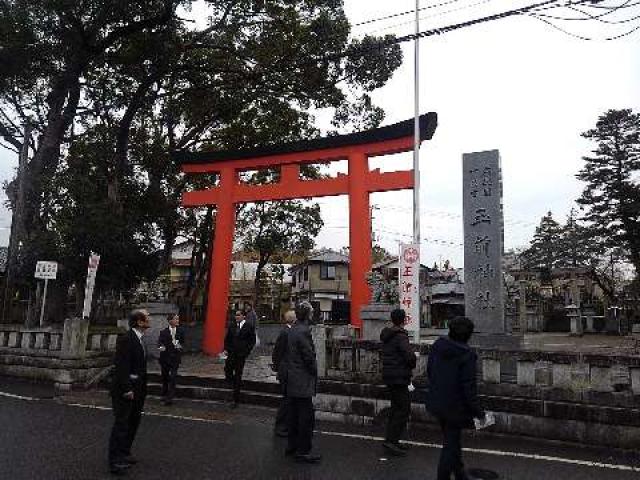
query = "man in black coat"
{"x": 279, "y": 360}
{"x": 397, "y": 362}
{"x": 302, "y": 379}
{"x": 128, "y": 391}
{"x": 238, "y": 343}
{"x": 170, "y": 344}
{"x": 452, "y": 396}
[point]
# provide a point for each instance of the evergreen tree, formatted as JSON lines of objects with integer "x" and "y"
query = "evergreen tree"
{"x": 544, "y": 251}
{"x": 611, "y": 197}
{"x": 578, "y": 245}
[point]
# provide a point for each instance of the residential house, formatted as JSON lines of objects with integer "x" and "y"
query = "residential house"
{"x": 323, "y": 279}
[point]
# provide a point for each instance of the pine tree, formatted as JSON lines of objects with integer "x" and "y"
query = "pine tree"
{"x": 579, "y": 245}
{"x": 611, "y": 197}
{"x": 544, "y": 251}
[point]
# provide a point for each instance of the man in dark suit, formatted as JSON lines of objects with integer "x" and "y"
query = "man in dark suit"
{"x": 239, "y": 341}
{"x": 302, "y": 378}
{"x": 170, "y": 344}
{"x": 128, "y": 391}
{"x": 279, "y": 360}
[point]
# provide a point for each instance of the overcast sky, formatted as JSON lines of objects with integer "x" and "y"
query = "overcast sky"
{"x": 516, "y": 85}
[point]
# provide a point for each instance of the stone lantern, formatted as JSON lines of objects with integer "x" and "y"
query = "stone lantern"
{"x": 573, "y": 312}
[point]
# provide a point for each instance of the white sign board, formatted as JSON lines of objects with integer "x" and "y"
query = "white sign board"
{"x": 409, "y": 286}
{"x": 94, "y": 261}
{"x": 46, "y": 270}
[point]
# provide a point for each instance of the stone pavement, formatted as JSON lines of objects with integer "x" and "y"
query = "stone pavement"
{"x": 257, "y": 367}
{"x": 588, "y": 343}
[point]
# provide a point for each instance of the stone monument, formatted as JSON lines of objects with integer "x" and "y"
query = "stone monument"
{"x": 483, "y": 248}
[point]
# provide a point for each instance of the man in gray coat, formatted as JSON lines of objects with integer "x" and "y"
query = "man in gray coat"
{"x": 302, "y": 378}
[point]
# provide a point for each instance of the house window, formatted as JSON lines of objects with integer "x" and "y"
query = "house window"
{"x": 306, "y": 273}
{"x": 327, "y": 272}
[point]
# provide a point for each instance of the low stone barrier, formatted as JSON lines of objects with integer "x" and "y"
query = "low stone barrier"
{"x": 69, "y": 355}
{"x": 587, "y": 398}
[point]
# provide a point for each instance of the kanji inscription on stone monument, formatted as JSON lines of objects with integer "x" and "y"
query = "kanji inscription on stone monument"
{"x": 482, "y": 216}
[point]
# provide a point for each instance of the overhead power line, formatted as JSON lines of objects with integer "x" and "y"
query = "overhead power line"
{"x": 586, "y": 16}
{"x": 539, "y": 6}
{"x": 402, "y": 14}
{"x": 582, "y": 37}
{"x": 434, "y": 15}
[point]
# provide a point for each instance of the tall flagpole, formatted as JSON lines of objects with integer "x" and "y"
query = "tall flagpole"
{"x": 416, "y": 135}
{"x": 416, "y": 165}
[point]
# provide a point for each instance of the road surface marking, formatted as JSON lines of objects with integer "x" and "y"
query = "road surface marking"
{"x": 529, "y": 456}
{"x": 153, "y": 414}
{"x": 499, "y": 453}
{"x": 18, "y": 397}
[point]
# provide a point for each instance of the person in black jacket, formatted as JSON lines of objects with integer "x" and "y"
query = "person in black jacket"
{"x": 397, "y": 362}
{"x": 452, "y": 397}
{"x": 128, "y": 391}
{"x": 238, "y": 343}
{"x": 170, "y": 344}
{"x": 302, "y": 379}
{"x": 279, "y": 360}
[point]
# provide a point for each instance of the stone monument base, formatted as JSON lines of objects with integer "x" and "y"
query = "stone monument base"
{"x": 498, "y": 341}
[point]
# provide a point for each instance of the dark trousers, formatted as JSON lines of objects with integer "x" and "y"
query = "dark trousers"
{"x": 127, "y": 415}
{"x": 451, "y": 453}
{"x": 282, "y": 417}
{"x": 398, "y": 413}
{"x": 233, "y": 368}
{"x": 301, "y": 423}
{"x": 169, "y": 375}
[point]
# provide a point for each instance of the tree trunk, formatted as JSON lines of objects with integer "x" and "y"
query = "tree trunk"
{"x": 262, "y": 262}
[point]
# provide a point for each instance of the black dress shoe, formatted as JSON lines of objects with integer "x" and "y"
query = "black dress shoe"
{"x": 289, "y": 451}
{"x": 130, "y": 459}
{"x": 403, "y": 446}
{"x": 308, "y": 458}
{"x": 281, "y": 433}
{"x": 393, "y": 449}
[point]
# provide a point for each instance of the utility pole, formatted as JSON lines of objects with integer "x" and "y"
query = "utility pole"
{"x": 17, "y": 235}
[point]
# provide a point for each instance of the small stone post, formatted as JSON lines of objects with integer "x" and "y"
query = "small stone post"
{"x": 74, "y": 338}
{"x": 319, "y": 334}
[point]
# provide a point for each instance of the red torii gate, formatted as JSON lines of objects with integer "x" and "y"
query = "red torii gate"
{"x": 356, "y": 148}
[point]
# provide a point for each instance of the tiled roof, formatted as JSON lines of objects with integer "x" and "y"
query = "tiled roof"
{"x": 329, "y": 257}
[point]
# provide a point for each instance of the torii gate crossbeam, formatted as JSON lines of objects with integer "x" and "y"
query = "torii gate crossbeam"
{"x": 358, "y": 184}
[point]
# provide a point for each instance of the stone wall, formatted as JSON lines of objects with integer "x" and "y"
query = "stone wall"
{"x": 70, "y": 355}
{"x": 588, "y": 398}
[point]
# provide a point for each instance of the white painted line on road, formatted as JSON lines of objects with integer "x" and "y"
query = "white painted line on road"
{"x": 154, "y": 414}
{"x": 528, "y": 456}
{"x": 18, "y": 397}
{"x": 500, "y": 453}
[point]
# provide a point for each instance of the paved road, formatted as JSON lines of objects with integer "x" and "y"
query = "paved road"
{"x": 55, "y": 440}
